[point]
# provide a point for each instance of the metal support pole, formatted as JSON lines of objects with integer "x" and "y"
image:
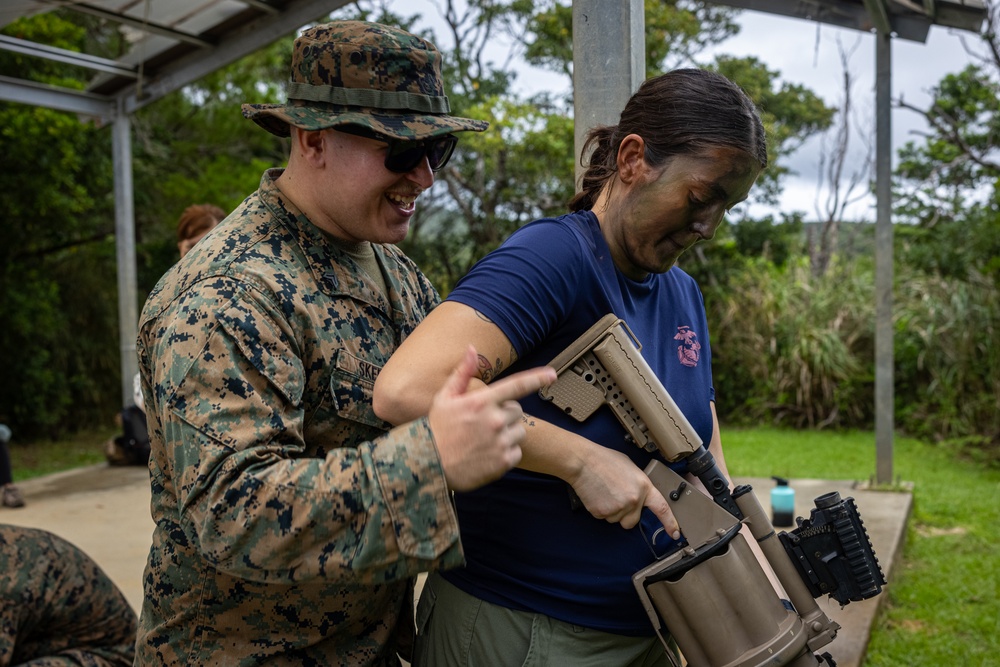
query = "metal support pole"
{"x": 884, "y": 395}
{"x": 609, "y": 63}
{"x": 121, "y": 147}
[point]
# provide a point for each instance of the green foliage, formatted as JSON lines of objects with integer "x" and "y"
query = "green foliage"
{"x": 790, "y": 350}
{"x": 949, "y": 254}
{"x": 947, "y": 186}
{"x": 769, "y": 239}
{"x": 59, "y": 341}
{"x": 948, "y": 360}
{"x": 56, "y": 276}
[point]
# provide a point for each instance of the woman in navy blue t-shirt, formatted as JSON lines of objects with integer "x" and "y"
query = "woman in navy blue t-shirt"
{"x": 545, "y": 584}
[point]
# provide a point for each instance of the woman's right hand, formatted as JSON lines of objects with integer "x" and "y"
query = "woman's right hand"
{"x": 613, "y": 488}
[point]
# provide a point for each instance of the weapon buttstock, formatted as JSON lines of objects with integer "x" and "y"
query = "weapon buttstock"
{"x": 604, "y": 365}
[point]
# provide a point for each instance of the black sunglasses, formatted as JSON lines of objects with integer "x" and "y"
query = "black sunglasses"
{"x": 404, "y": 156}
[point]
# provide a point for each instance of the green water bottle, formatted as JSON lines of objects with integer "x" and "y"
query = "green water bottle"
{"x": 782, "y": 504}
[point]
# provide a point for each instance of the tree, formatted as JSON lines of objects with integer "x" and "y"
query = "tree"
{"x": 843, "y": 190}
{"x": 947, "y": 186}
{"x": 59, "y": 339}
{"x": 58, "y": 222}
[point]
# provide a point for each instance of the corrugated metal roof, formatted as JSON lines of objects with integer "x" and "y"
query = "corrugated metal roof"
{"x": 171, "y": 44}
{"x": 906, "y": 19}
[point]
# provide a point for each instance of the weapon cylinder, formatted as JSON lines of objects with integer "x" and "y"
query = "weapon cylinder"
{"x": 815, "y": 619}
{"x": 757, "y": 629}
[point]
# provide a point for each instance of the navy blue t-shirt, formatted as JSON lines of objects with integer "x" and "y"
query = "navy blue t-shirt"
{"x": 525, "y": 547}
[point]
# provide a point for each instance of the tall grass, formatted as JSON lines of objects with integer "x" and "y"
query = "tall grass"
{"x": 948, "y": 358}
{"x": 794, "y": 350}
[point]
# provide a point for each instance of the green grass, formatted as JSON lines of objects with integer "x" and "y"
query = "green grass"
{"x": 44, "y": 457}
{"x": 943, "y": 606}
{"x": 943, "y": 603}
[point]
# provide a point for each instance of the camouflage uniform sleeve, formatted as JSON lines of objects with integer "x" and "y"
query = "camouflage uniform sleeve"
{"x": 429, "y": 295}
{"x": 228, "y": 381}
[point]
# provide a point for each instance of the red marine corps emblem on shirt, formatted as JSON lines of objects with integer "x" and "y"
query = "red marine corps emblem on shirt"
{"x": 689, "y": 348}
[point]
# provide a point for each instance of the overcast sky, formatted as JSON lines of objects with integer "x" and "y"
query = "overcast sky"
{"x": 808, "y": 53}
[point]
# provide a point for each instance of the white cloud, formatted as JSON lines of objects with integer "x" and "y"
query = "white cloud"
{"x": 807, "y": 53}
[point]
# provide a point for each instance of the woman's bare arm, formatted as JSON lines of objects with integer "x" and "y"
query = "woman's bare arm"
{"x": 610, "y": 486}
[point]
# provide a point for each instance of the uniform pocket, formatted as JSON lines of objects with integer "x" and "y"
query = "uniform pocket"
{"x": 352, "y": 385}
{"x": 265, "y": 348}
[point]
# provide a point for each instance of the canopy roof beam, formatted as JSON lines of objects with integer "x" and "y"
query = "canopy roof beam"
{"x": 24, "y": 47}
{"x": 138, "y": 24}
{"x": 263, "y": 6}
{"x": 242, "y": 42}
{"x": 906, "y": 19}
{"x": 53, "y": 97}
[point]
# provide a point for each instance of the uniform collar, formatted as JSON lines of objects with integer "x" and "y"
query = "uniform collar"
{"x": 332, "y": 268}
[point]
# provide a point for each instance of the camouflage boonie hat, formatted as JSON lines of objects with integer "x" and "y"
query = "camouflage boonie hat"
{"x": 366, "y": 74}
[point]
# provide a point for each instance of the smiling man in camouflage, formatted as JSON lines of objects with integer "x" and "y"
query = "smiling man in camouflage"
{"x": 290, "y": 520}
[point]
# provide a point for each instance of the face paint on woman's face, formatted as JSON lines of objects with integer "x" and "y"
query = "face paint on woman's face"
{"x": 683, "y": 204}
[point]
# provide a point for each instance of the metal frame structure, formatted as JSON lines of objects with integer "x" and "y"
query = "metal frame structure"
{"x": 176, "y": 42}
{"x": 603, "y": 86}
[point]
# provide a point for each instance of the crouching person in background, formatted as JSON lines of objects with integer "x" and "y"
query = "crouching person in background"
{"x": 58, "y": 607}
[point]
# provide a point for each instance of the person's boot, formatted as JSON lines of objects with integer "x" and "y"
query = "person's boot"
{"x": 11, "y": 496}
{"x": 115, "y": 453}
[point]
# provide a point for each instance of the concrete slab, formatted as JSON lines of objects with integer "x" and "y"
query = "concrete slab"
{"x": 104, "y": 510}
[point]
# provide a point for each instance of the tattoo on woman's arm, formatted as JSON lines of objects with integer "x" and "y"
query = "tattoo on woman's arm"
{"x": 487, "y": 371}
{"x": 528, "y": 420}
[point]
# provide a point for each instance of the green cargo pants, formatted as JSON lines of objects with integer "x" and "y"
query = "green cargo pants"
{"x": 455, "y": 629}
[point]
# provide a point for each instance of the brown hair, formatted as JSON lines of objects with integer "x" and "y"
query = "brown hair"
{"x": 197, "y": 219}
{"x": 677, "y": 113}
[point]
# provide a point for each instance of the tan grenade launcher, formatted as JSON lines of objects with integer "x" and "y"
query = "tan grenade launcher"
{"x": 711, "y": 594}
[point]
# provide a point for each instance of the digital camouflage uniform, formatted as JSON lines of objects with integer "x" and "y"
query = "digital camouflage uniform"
{"x": 57, "y": 607}
{"x": 289, "y": 518}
